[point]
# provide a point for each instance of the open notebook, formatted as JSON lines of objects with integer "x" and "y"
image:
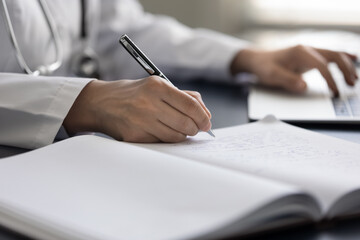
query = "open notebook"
{"x": 250, "y": 178}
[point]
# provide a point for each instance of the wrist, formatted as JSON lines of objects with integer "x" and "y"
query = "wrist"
{"x": 244, "y": 61}
{"x": 82, "y": 114}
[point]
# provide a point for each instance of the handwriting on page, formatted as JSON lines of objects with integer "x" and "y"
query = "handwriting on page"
{"x": 264, "y": 148}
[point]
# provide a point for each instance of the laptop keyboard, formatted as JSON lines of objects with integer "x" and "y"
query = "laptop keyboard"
{"x": 354, "y": 103}
{"x": 349, "y": 107}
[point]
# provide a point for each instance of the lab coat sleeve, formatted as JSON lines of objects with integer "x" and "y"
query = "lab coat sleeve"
{"x": 179, "y": 51}
{"x": 32, "y": 109}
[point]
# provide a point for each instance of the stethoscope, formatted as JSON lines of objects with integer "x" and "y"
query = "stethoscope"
{"x": 84, "y": 64}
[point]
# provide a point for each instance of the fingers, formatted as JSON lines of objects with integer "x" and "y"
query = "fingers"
{"x": 353, "y": 57}
{"x": 288, "y": 80}
{"x": 177, "y": 120}
{"x": 198, "y": 97}
{"x": 311, "y": 58}
{"x": 156, "y": 132}
{"x": 165, "y": 133}
{"x": 138, "y": 136}
{"x": 344, "y": 62}
{"x": 146, "y": 110}
{"x": 282, "y": 68}
{"x": 189, "y": 106}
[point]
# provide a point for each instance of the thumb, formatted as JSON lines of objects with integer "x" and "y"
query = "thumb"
{"x": 290, "y": 81}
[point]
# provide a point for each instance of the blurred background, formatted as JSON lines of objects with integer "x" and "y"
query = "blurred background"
{"x": 272, "y": 23}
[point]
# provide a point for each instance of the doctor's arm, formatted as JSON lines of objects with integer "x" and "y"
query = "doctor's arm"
{"x": 197, "y": 53}
{"x": 143, "y": 110}
{"x": 179, "y": 51}
{"x": 32, "y": 109}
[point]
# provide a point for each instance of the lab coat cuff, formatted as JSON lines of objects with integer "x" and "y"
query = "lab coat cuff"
{"x": 59, "y": 109}
{"x": 224, "y": 51}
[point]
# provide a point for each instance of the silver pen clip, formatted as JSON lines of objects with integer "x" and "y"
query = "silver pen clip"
{"x": 138, "y": 57}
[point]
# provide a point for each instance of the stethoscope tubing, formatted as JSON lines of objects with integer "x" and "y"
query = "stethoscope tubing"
{"x": 41, "y": 70}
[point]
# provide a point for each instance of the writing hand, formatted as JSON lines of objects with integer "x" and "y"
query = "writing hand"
{"x": 144, "y": 110}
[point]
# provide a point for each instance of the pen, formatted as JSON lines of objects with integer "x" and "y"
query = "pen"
{"x": 145, "y": 62}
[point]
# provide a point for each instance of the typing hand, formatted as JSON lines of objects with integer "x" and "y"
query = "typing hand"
{"x": 145, "y": 110}
{"x": 283, "y": 68}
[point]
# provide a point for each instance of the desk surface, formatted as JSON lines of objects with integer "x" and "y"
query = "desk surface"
{"x": 228, "y": 105}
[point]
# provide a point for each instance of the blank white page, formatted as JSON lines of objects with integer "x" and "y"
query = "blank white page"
{"x": 94, "y": 188}
{"x": 325, "y": 166}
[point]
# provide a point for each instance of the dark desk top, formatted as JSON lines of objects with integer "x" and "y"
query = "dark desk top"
{"x": 228, "y": 105}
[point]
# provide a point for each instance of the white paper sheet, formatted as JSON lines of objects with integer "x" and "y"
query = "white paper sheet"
{"x": 325, "y": 166}
{"x": 94, "y": 188}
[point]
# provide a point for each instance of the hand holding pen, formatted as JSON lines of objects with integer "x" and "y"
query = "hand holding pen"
{"x": 150, "y": 68}
{"x": 144, "y": 110}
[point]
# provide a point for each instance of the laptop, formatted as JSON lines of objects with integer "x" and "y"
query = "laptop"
{"x": 315, "y": 106}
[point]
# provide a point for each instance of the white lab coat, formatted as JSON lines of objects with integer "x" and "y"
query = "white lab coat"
{"x": 32, "y": 109}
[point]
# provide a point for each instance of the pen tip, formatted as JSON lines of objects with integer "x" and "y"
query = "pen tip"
{"x": 211, "y": 133}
